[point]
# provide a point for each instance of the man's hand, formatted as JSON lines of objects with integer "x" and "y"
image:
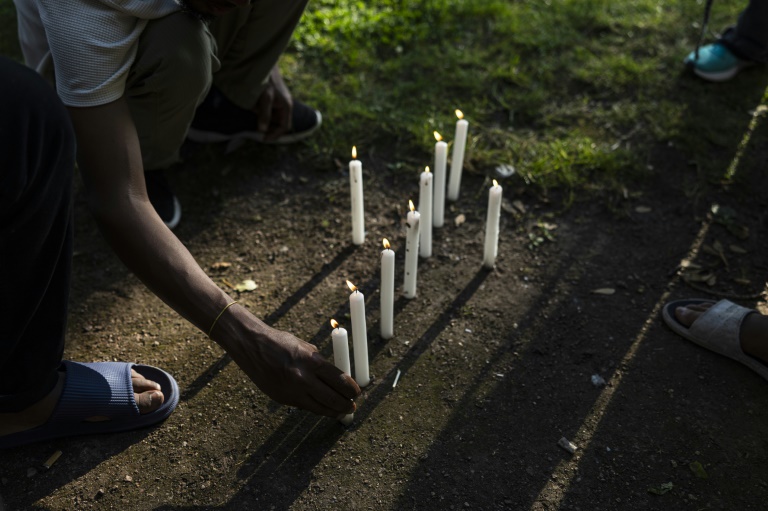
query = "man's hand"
{"x": 289, "y": 370}
{"x": 274, "y": 107}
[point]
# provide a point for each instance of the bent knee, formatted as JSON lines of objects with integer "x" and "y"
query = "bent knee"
{"x": 176, "y": 52}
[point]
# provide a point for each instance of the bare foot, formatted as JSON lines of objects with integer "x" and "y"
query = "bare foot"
{"x": 147, "y": 394}
{"x": 753, "y": 335}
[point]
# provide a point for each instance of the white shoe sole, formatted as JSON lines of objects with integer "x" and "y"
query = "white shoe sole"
{"x": 722, "y": 76}
{"x": 173, "y": 222}
{"x": 719, "y": 76}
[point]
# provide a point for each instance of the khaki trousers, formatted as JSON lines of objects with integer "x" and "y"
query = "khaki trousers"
{"x": 179, "y": 57}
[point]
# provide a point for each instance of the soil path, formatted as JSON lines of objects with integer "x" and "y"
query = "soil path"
{"x": 495, "y": 367}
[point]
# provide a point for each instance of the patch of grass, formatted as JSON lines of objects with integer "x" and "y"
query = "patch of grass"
{"x": 574, "y": 93}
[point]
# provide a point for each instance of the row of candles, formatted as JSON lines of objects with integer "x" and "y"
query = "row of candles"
{"x": 418, "y": 242}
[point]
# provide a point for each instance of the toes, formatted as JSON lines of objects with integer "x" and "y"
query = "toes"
{"x": 691, "y": 312}
{"x": 141, "y": 384}
{"x": 701, "y": 307}
{"x": 687, "y": 315}
{"x": 149, "y": 401}
{"x": 146, "y": 392}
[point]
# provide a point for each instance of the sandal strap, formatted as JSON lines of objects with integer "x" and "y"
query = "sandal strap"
{"x": 718, "y": 328}
{"x": 102, "y": 389}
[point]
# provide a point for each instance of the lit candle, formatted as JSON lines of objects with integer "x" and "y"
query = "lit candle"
{"x": 411, "y": 251}
{"x": 341, "y": 358}
{"x": 387, "y": 290}
{"x": 441, "y": 151}
{"x": 359, "y": 335}
{"x": 425, "y": 208}
{"x": 356, "y": 189}
{"x": 457, "y": 161}
{"x": 492, "y": 225}
{"x": 340, "y": 348}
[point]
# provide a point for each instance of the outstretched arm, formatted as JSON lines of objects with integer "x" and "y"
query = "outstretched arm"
{"x": 284, "y": 367}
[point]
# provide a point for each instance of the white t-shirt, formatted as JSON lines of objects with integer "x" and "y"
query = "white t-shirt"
{"x": 92, "y": 43}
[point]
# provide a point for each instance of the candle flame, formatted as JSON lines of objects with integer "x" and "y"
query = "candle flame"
{"x": 351, "y": 286}
{"x": 459, "y": 114}
{"x": 495, "y": 183}
{"x": 334, "y": 323}
{"x": 426, "y": 169}
{"x": 354, "y": 152}
{"x": 411, "y": 206}
{"x": 385, "y": 242}
{"x": 438, "y": 136}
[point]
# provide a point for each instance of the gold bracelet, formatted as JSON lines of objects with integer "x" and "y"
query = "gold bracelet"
{"x": 230, "y": 304}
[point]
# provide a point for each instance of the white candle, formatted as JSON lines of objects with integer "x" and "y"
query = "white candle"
{"x": 457, "y": 161}
{"x": 356, "y": 190}
{"x": 359, "y": 335}
{"x": 340, "y": 348}
{"x": 492, "y": 225}
{"x": 341, "y": 358}
{"x": 441, "y": 151}
{"x": 425, "y": 208}
{"x": 411, "y": 252}
{"x": 387, "y": 291}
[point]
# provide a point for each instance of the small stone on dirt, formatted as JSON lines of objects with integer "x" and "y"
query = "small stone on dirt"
{"x": 567, "y": 445}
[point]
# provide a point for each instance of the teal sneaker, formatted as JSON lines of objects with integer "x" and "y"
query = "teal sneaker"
{"x": 716, "y": 63}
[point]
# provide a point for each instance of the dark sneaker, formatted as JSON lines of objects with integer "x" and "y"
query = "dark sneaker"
{"x": 217, "y": 119}
{"x": 162, "y": 198}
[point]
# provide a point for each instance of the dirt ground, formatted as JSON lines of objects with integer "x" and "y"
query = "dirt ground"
{"x": 495, "y": 366}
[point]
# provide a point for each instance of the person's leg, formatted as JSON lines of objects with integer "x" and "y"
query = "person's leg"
{"x": 37, "y": 162}
{"x": 170, "y": 77}
{"x": 249, "y": 43}
{"x": 748, "y": 40}
{"x": 739, "y": 47}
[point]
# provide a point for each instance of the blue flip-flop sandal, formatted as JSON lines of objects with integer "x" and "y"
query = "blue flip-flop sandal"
{"x": 99, "y": 389}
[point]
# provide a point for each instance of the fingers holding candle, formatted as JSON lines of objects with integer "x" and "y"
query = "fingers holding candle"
{"x": 335, "y": 393}
{"x": 291, "y": 371}
{"x": 330, "y": 403}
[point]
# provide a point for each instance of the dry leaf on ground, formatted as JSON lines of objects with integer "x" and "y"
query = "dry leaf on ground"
{"x": 246, "y": 285}
{"x": 698, "y": 470}
{"x": 737, "y": 249}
